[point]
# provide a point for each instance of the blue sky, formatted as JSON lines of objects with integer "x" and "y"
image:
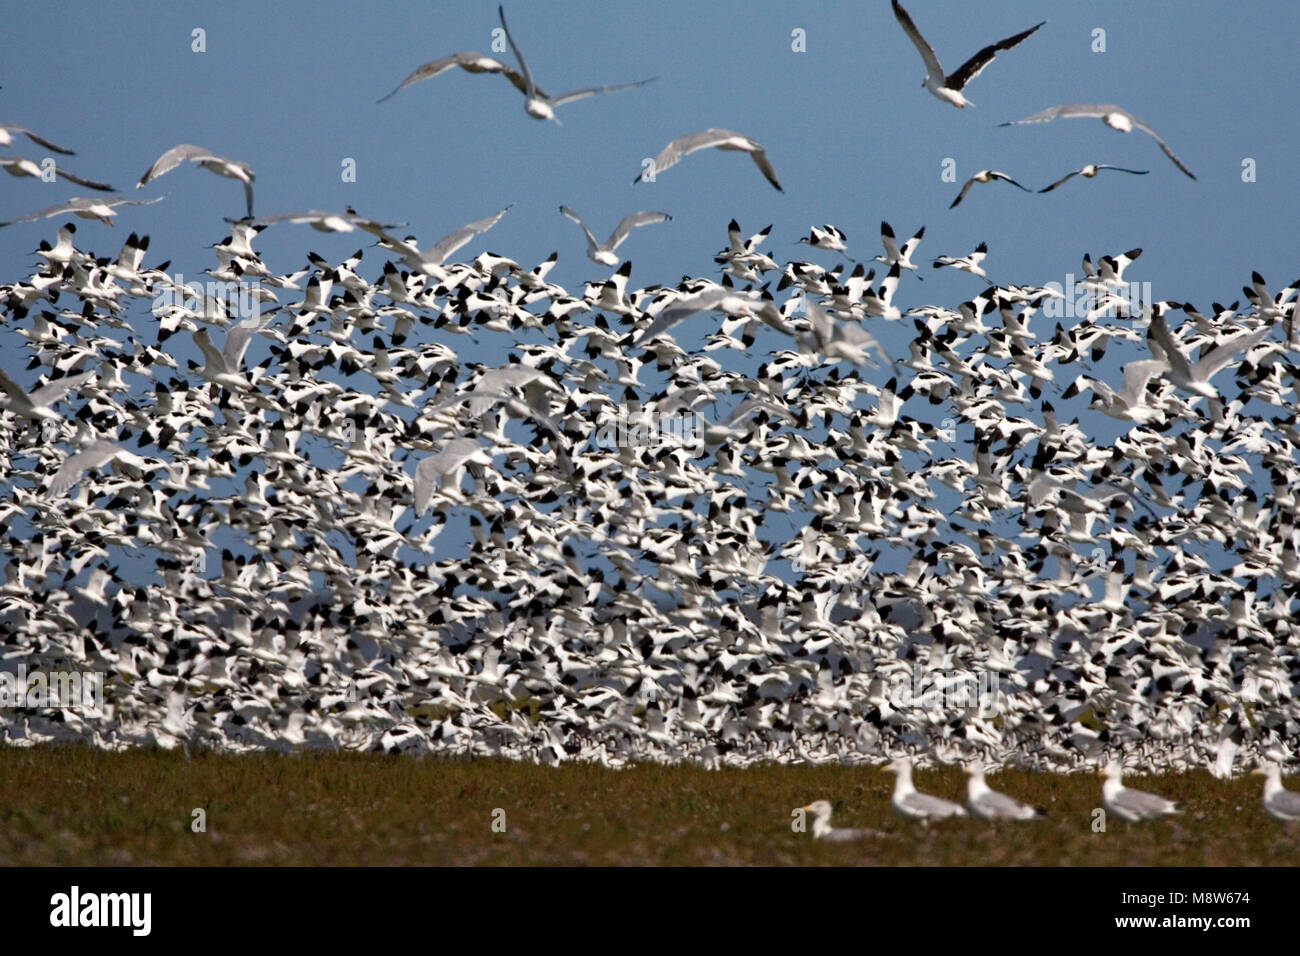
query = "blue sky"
{"x": 291, "y": 89}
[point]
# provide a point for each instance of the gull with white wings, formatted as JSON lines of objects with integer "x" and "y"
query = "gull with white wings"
{"x": 1129, "y": 804}
{"x": 602, "y": 253}
{"x": 1115, "y": 117}
{"x": 86, "y": 208}
{"x": 431, "y": 259}
{"x": 189, "y": 153}
{"x": 709, "y": 139}
{"x": 36, "y": 403}
{"x": 909, "y": 802}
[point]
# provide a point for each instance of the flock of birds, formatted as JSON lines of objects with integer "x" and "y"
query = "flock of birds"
{"x": 758, "y": 589}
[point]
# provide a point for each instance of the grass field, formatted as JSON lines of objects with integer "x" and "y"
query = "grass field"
{"x": 73, "y": 805}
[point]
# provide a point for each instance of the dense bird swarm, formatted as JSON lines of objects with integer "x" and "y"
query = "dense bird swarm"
{"x": 338, "y": 529}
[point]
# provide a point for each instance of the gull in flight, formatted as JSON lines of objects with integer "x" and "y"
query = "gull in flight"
{"x": 19, "y": 166}
{"x": 538, "y": 104}
{"x": 1091, "y": 170}
{"x": 94, "y": 455}
{"x": 984, "y": 176}
{"x": 1113, "y": 116}
{"x": 1280, "y": 803}
{"x": 469, "y": 61}
{"x": 188, "y": 153}
{"x": 989, "y": 805}
{"x": 710, "y": 138}
{"x": 602, "y": 253}
{"x": 226, "y": 367}
{"x": 455, "y": 455}
{"x": 433, "y": 257}
{"x": 323, "y": 221}
{"x": 1129, "y": 804}
{"x": 822, "y": 829}
{"x": 8, "y": 129}
{"x": 838, "y": 340}
{"x": 36, "y": 403}
{"x": 948, "y": 88}
{"x": 750, "y": 304}
{"x": 101, "y": 209}
{"x": 908, "y": 802}
{"x": 1195, "y": 377}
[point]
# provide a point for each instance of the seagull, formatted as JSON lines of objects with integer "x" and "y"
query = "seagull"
{"x": 984, "y": 176}
{"x": 730, "y": 301}
{"x": 8, "y": 129}
{"x": 919, "y": 806}
{"x": 1091, "y": 170}
{"x": 437, "y": 254}
{"x": 1113, "y": 116}
{"x": 469, "y": 61}
{"x": 101, "y": 209}
{"x": 989, "y": 805}
{"x": 1181, "y": 370}
{"x": 540, "y": 106}
{"x": 20, "y": 166}
{"x": 1129, "y": 804}
{"x": 189, "y": 153}
{"x": 822, "y": 829}
{"x": 1280, "y": 803}
{"x": 36, "y": 404}
{"x": 603, "y": 253}
{"x": 716, "y": 138}
{"x": 948, "y": 88}
{"x": 323, "y": 221}
{"x": 94, "y": 455}
{"x": 838, "y": 340}
{"x": 451, "y": 460}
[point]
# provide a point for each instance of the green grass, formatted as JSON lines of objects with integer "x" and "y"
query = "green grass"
{"x": 74, "y": 805}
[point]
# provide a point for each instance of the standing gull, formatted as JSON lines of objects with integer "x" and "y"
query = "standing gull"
{"x": 822, "y": 829}
{"x": 710, "y": 138}
{"x": 948, "y": 88}
{"x": 908, "y": 802}
{"x": 1129, "y": 804}
{"x": 1280, "y": 803}
{"x": 189, "y": 153}
{"x": 1113, "y": 116}
{"x": 602, "y": 253}
{"x": 989, "y": 805}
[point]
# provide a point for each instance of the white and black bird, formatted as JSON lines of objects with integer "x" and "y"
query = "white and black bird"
{"x": 709, "y": 139}
{"x": 893, "y": 254}
{"x": 189, "y": 153}
{"x": 1115, "y": 117}
{"x": 1129, "y": 804}
{"x": 970, "y": 263}
{"x": 984, "y": 176}
{"x": 602, "y": 253}
{"x": 827, "y": 237}
{"x": 1090, "y": 171}
{"x": 20, "y": 166}
{"x": 949, "y": 88}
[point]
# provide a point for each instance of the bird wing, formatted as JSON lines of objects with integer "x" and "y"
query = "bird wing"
{"x": 1285, "y": 802}
{"x": 962, "y": 195}
{"x": 630, "y": 222}
{"x": 1064, "y": 179}
{"x": 215, "y": 360}
{"x": 39, "y": 140}
{"x": 932, "y": 68}
{"x": 1163, "y": 148}
{"x": 75, "y": 465}
{"x": 530, "y": 88}
{"x": 975, "y": 65}
{"x": 184, "y": 153}
{"x": 1136, "y": 377}
{"x": 672, "y": 154}
{"x": 468, "y": 60}
{"x": 1143, "y": 803}
{"x": 592, "y": 245}
{"x": 996, "y": 804}
{"x": 1065, "y": 109}
{"x": 1216, "y": 358}
{"x": 88, "y": 183}
{"x": 595, "y": 90}
{"x": 681, "y": 310}
{"x": 1173, "y": 353}
{"x": 1005, "y": 178}
{"x": 51, "y": 392}
{"x": 444, "y": 247}
{"x": 1121, "y": 169}
{"x": 923, "y": 804}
